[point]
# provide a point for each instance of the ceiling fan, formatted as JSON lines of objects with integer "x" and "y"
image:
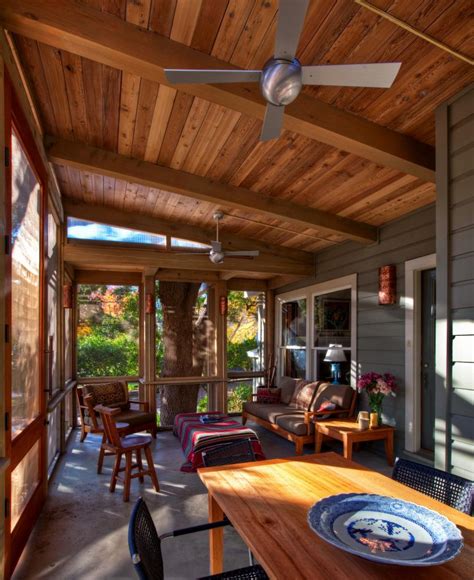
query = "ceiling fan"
{"x": 217, "y": 254}
{"x": 283, "y": 76}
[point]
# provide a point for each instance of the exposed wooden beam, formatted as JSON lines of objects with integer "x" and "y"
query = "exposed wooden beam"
{"x": 96, "y": 255}
{"x": 104, "y": 38}
{"x": 227, "y": 275}
{"x": 252, "y": 285}
{"x": 92, "y": 159}
{"x": 116, "y": 217}
{"x": 107, "y": 277}
{"x": 169, "y": 274}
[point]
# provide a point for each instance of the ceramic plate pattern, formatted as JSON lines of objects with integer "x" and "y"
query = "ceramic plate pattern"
{"x": 385, "y": 529}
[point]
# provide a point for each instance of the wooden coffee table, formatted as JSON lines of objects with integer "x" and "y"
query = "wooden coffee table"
{"x": 347, "y": 431}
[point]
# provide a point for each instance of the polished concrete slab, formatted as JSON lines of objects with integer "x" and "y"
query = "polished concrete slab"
{"x": 82, "y": 531}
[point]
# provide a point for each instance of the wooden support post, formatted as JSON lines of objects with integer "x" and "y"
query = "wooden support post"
{"x": 269, "y": 347}
{"x": 149, "y": 358}
{"x": 218, "y": 391}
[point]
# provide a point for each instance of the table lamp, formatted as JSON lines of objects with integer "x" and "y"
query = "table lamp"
{"x": 335, "y": 355}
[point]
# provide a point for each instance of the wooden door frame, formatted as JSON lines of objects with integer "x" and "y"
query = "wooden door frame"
{"x": 413, "y": 269}
{"x": 35, "y": 432}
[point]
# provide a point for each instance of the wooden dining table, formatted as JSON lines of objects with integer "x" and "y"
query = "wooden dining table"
{"x": 267, "y": 503}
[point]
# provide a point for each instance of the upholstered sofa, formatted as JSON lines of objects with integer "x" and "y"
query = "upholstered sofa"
{"x": 112, "y": 394}
{"x": 300, "y": 405}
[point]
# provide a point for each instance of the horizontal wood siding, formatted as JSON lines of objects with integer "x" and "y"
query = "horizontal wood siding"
{"x": 455, "y": 388}
{"x": 381, "y": 329}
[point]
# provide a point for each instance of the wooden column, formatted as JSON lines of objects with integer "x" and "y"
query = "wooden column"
{"x": 269, "y": 325}
{"x": 148, "y": 342}
{"x": 218, "y": 391}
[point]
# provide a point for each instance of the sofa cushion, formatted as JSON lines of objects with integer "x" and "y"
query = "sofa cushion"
{"x": 294, "y": 422}
{"x": 287, "y": 386}
{"x": 304, "y": 394}
{"x": 267, "y": 412}
{"x": 341, "y": 395}
{"x": 107, "y": 394}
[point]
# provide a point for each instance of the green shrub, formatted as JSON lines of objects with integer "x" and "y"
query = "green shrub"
{"x": 98, "y": 356}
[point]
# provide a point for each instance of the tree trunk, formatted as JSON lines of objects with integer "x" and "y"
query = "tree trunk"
{"x": 183, "y": 346}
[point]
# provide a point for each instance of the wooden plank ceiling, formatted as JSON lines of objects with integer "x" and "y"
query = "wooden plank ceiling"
{"x": 84, "y": 101}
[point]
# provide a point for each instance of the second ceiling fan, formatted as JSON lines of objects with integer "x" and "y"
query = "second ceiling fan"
{"x": 283, "y": 76}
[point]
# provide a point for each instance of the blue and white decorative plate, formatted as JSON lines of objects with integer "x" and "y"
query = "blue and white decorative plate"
{"x": 385, "y": 529}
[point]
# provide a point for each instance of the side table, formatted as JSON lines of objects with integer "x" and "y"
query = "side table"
{"x": 348, "y": 432}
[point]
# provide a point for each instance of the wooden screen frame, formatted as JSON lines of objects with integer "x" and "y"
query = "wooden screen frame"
{"x": 16, "y": 539}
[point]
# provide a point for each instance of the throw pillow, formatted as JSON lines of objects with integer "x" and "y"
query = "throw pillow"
{"x": 268, "y": 396}
{"x": 287, "y": 386}
{"x": 326, "y": 405}
{"x": 304, "y": 394}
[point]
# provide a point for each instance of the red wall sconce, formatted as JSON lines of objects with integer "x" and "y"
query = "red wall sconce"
{"x": 388, "y": 284}
{"x": 149, "y": 303}
{"x": 67, "y": 296}
{"x": 223, "y": 305}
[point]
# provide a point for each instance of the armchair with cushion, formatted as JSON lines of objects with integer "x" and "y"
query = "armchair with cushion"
{"x": 114, "y": 395}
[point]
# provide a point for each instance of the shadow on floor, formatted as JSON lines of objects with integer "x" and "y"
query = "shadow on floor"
{"x": 82, "y": 531}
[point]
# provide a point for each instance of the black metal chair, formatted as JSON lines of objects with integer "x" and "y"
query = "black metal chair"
{"x": 447, "y": 488}
{"x": 145, "y": 547}
{"x": 227, "y": 453}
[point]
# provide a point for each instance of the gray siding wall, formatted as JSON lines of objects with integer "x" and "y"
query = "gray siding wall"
{"x": 381, "y": 329}
{"x": 455, "y": 309}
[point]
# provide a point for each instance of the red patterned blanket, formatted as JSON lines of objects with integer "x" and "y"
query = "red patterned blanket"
{"x": 197, "y": 437}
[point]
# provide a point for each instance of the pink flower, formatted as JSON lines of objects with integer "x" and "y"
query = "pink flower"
{"x": 377, "y": 383}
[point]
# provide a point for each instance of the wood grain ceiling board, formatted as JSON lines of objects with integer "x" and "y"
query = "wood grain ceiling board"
{"x": 93, "y": 103}
{"x": 427, "y": 74}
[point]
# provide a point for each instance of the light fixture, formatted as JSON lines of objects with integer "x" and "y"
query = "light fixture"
{"x": 388, "y": 285}
{"x": 335, "y": 355}
{"x": 68, "y": 296}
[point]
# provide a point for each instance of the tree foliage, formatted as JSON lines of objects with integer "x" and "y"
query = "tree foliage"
{"x": 108, "y": 331}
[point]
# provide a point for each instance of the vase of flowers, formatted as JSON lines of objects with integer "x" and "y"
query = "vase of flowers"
{"x": 377, "y": 387}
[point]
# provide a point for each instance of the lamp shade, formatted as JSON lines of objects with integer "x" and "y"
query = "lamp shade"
{"x": 335, "y": 354}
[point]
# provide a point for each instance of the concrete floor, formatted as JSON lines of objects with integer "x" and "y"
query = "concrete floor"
{"x": 82, "y": 531}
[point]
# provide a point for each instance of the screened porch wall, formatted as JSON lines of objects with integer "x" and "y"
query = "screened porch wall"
{"x": 380, "y": 329}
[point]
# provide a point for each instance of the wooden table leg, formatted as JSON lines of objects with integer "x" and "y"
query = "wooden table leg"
{"x": 389, "y": 447}
{"x": 318, "y": 441}
{"x": 216, "y": 538}
{"x": 347, "y": 449}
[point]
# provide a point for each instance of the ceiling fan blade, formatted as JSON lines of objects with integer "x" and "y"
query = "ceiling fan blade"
{"x": 190, "y": 76}
{"x": 352, "y": 75}
{"x": 291, "y": 15}
{"x": 243, "y": 253}
{"x": 272, "y": 122}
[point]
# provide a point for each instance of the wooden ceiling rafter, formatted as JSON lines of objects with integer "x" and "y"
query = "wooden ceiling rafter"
{"x": 115, "y": 256}
{"x": 106, "y": 163}
{"x": 107, "y": 39}
{"x": 142, "y": 222}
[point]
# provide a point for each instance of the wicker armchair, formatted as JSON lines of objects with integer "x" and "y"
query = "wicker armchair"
{"x": 145, "y": 547}
{"x": 447, "y": 488}
{"x": 227, "y": 453}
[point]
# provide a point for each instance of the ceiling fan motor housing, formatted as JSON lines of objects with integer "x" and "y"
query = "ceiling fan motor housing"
{"x": 281, "y": 81}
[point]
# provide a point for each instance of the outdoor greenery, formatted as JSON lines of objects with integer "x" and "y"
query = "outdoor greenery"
{"x": 108, "y": 335}
{"x": 236, "y": 396}
{"x": 108, "y": 331}
{"x": 242, "y": 328}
